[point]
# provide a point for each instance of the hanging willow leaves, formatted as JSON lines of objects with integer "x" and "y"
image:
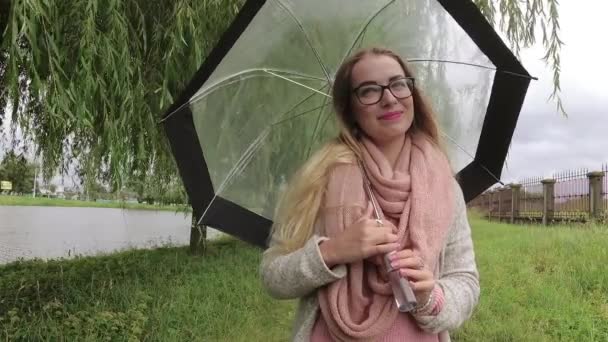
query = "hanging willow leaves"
{"x": 86, "y": 81}
{"x": 519, "y": 21}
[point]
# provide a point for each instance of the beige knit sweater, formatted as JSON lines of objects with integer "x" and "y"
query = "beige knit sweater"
{"x": 299, "y": 274}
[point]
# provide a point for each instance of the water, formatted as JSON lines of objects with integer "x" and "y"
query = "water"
{"x": 55, "y": 232}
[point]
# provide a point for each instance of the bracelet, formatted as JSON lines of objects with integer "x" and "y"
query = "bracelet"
{"x": 439, "y": 300}
{"x": 426, "y": 305}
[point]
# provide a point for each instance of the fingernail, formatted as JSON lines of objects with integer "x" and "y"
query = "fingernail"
{"x": 393, "y": 265}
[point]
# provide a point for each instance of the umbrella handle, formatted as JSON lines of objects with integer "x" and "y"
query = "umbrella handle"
{"x": 405, "y": 299}
{"x": 402, "y": 291}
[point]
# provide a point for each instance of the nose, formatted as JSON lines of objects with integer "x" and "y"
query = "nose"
{"x": 387, "y": 97}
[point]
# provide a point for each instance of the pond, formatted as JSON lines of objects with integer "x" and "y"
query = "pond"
{"x": 55, "y": 232}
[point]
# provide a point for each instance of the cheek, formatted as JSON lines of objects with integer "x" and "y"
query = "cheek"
{"x": 408, "y": 103}
{"x": 363, "y": 115}
{"x": 409, "y": 106}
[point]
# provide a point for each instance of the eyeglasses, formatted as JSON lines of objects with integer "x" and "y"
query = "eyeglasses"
{"x": 369, "y": 94}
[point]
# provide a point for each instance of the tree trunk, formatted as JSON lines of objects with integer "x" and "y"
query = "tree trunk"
{"x": 198, "y": 237}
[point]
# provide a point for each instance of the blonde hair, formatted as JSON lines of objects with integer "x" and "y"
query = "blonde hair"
{"x": 299, "y": 205}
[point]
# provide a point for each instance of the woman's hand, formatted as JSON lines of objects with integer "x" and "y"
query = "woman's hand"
{"x": 361, "y": 240}
{"x": 411, "y": 266}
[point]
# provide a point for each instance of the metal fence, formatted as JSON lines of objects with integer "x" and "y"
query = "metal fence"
{"x": 531, "y": 198}
{"x": 570, "y": 199}
{"x": 572, "y": 194}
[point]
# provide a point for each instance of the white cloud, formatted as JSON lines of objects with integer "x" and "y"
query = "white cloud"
{"x": 544, "y": 140}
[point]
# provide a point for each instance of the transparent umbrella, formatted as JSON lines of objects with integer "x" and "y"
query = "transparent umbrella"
{"x": 260, "y": 105}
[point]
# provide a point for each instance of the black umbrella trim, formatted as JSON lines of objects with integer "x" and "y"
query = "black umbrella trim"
{"x": 507, "y": 97}
{"x": 506, "y": 100}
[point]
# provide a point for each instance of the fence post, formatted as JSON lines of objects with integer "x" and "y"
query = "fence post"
{"x": 490, "y": 205}
{"x": 499, "y": 194}
{"x": 548, "y": 200}
{"x": 515, "y": 188}
{"x": 595, "y": 193}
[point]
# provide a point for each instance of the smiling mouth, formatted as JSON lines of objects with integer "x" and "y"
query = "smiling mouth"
{"x": 390, "y": 116}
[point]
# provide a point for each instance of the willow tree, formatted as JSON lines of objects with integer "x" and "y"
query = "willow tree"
{"x": 520, "y": 20}
{"x": 86, "y": 82}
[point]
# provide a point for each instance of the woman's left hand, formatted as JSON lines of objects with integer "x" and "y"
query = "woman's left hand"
{"x": 411, "y": 266}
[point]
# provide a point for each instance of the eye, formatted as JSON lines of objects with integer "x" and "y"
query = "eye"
{"x": 368, "y": 91}
{"x": 399, "y": 84}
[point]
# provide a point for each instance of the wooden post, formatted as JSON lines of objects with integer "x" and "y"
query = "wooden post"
{"x": 502, "y": 207}
{"x": 548, "y": 200}
{"x": 198, "y": 237}
{"x": 500, "y": 192}
{"x": 490, "y": 204}
{"x": 515, "y": 188}
{"x": 595, "y": 194}
{"x": 486, "y": 201}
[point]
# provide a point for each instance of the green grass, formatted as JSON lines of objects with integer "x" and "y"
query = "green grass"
{"x": 538, "y": 284}
{"x": 57, "y": 202}
{"x": 159, "y": 295}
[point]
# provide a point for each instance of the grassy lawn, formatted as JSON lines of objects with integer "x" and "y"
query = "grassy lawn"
{"x": 538, "y": 284}
{"x": 57, "y": 202}
{"x": 159, "y": 295}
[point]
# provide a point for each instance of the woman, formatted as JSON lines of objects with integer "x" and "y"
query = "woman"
{"x": 326, "y": 247}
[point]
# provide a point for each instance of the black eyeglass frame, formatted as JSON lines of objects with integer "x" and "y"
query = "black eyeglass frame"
{"x": 384, "y": 87}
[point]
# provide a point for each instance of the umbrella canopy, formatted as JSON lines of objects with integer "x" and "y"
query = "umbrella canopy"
{"x": 259, "y": 105}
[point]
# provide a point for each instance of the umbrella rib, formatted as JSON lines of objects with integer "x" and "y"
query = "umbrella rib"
{"x": 364, "y": 28}
{"x": 327, "y": 117}
{"x": 301, "y": 27}
{"x": 301, "y": 102}
{"x": 298, "y": 83}
{"x": 235, "y": 78}
{"x": 246, "y": 158}
{"x": 298, "y": 115}
{"x": 414, "y": 60}
{"x": 314, "y": 133}
{"x": 232, "y": 79}
{"x": 238, "y": 167}
{"x": 470, "y": 155}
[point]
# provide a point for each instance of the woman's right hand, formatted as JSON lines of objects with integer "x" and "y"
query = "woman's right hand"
{"x": 363, "y": 239}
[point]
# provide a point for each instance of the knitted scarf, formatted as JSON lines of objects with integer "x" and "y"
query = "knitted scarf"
{"x": 417, "y": 198}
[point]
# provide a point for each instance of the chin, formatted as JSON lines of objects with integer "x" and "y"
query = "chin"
{"x": 386, "y": 135}
{"x": 382, "y": 133}
{"x": 399, "y": 129}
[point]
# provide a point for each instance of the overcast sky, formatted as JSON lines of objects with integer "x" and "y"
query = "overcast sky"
{"x": 544, "y": 140}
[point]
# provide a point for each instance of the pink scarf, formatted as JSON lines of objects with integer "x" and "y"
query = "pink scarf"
{"x": 417, "y": 197}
